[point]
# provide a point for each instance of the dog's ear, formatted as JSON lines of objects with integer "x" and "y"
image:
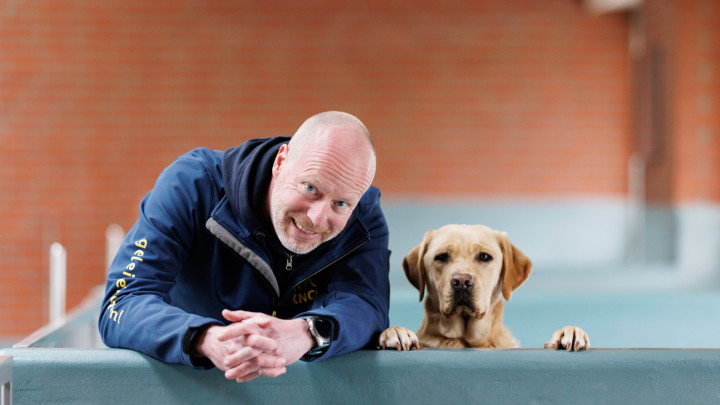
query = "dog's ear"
{"x": 414, "y": 267}
{"x": 516, "y": 266}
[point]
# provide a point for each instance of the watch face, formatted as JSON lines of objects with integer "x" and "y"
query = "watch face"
{"x": 323, "y": 327}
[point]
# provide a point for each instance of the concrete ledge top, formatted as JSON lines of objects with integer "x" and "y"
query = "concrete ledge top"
{"x": 427, "y": 376}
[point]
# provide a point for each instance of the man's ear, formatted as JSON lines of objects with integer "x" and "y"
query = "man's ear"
{"x": 516, "y": 266}
{"x": 280, "y": 159}
{"x": 413, "y": 264}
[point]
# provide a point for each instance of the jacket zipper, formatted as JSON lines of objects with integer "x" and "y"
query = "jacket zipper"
{"x": 288, "y": 261}
{"x": 288, "y": 267}
{"x": 344, "y": 255}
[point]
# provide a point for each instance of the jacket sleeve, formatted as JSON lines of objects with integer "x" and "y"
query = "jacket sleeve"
{"x": 135, "y": 312}
{"x": 358, "y": 295}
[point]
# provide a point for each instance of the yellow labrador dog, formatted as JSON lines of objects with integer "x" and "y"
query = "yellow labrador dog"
{"x": 466, "y": 271}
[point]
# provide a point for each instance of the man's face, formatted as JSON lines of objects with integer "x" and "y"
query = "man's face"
{"x": 312, "y": 196}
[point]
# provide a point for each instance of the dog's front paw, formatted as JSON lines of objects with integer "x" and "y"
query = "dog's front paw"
{"x": 570, "y": 338}
{"x": 399, "y": 338}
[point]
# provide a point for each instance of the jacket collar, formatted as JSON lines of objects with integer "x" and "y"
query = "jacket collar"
{"x": 224, "y": 225}
{"x": 246, "y": 173}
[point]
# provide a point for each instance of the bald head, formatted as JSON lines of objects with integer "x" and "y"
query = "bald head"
{"x": 318, "y": 122}
{"x": 332, "y": 133}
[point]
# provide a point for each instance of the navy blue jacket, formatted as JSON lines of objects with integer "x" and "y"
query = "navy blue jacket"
{"x": 200, "y": 245}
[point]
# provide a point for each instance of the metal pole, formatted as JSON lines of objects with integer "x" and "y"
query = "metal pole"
{"x": 58, "y": 276}
{"x": 6, "y": 378}
{"x": 114, "y": 235}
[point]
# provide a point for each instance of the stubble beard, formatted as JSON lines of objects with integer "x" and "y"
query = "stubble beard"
{"x": 282, "y": 219}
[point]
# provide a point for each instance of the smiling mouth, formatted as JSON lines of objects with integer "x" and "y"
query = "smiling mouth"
{"x": 303, "y": 229}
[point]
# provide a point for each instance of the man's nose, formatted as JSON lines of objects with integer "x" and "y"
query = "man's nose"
{"x": 318, "y": 213}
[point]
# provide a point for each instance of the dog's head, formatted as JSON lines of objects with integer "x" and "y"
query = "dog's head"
{"x": 465, "y": 268}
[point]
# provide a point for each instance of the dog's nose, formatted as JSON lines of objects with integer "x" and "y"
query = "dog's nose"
{"x": 462, "y": 281}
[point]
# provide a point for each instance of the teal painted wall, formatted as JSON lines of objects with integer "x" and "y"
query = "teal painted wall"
{"x": 579, "y": 243}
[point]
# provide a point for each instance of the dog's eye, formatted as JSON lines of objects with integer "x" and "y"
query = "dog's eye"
{"x": 442, "y": 258}
{"x": 484, "y": 257}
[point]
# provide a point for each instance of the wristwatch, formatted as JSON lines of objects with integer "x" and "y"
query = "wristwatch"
{"x": 320, "y": 330}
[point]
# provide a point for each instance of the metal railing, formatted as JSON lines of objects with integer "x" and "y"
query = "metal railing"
{"x": 6, "y": 377}
{"x": 58, "y": 272}
{"x": 79, "y": 327}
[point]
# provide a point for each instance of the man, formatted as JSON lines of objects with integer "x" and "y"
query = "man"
{"x": 256, "y": 257}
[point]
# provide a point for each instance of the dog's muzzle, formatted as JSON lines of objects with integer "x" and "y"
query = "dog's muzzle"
{"x": 462, "y": 285}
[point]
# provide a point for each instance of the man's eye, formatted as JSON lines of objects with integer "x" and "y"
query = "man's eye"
{"x": 310, "y": 188}
{"x": 341, "y": 204}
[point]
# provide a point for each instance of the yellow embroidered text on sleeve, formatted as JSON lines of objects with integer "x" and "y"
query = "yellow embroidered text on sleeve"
{"x": 121, "y": 283}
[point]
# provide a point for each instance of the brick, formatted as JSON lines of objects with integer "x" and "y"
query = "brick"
{"x": 472, "y": 98}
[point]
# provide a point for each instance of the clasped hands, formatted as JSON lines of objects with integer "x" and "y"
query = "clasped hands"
{"x": 254, "y": 344}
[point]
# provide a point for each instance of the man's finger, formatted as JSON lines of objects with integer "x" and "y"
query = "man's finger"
{"x": 265, "y": 372}
{"x": 262, "y": 343}
{"x": 240, "y": 315}
{"x": 244, "y": 372}
{"x": 244, "y": 378}
{"x": 274, "y": 365}
{"x": 272, "y": 372}
{"x": 237, "y": 316}
{"x": 246, "y": 354}
{"x": 236, "y": 330}
{"x": 256, "y": 351}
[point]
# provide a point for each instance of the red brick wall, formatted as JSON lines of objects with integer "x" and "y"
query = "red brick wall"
{"x": 677, "y": 82}
{"x": 473, "y": 98}
{"x": 697, "y": 103}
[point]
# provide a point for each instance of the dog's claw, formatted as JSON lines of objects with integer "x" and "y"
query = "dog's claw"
{"x": 570, "y": 338}
{"x": 400, "y": 338}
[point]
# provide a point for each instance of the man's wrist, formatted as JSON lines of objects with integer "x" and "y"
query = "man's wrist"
{"x": 320, "y": 331}
{"x": 197, "y": 340}
{"x": 192, "y": 345}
